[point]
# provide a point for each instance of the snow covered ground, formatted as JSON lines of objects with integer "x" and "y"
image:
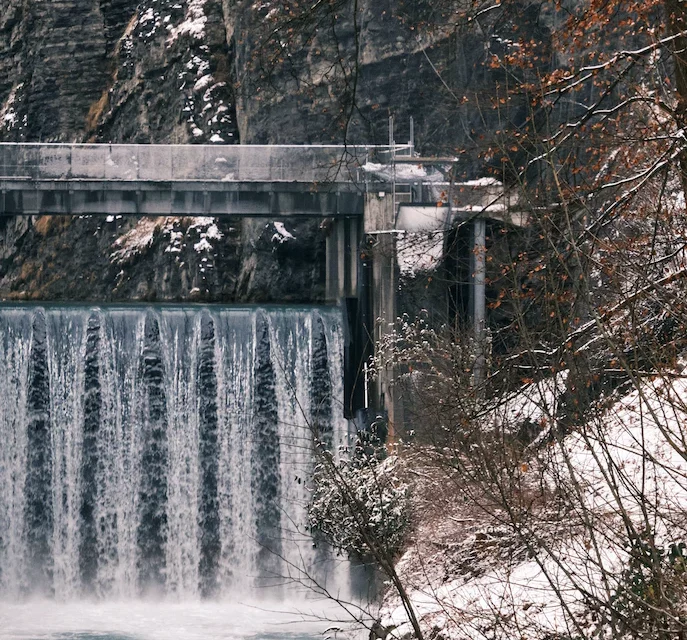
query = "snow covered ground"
{"x": 612, "y": 487}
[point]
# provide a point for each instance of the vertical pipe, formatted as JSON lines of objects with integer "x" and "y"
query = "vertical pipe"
{"x": 411, "y": 142}
{"x": 340, "y": 226}
{"x": 479, "y": 265}
{"x": 366, "y": 377}
{"x": 367, "y": 325}
{"x": 354, "y": 223}
{"x": 331, "y": 265}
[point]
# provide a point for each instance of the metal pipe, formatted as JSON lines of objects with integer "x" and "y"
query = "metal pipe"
{"x": 479, "y": 305}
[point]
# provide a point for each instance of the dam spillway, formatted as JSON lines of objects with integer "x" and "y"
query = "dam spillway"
{"x": 162, "y": 450}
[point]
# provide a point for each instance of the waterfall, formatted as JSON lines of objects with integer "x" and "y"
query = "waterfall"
{"x": 162, "y": 451}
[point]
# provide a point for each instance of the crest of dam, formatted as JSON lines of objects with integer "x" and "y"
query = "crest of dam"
{"x": 163, "y": 450}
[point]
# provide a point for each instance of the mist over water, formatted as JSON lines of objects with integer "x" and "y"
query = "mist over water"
{"x": 145, "y": 620}
{"x": 153, "y": 456}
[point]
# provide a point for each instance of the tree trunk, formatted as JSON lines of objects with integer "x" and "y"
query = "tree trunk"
{"x": 676, "y": 17}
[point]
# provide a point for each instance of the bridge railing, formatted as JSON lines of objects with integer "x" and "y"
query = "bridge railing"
{"x": 235, "y": 163}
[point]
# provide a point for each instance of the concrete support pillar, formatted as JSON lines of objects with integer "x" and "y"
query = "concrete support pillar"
{"x": 352, "y": 250}
{"x": 341, "y": 263}
{"x": 479, "y": 308}
{"x": 331, "y": 273}
{"x": 379, "y": 217}
{"x": 340, "y": 225}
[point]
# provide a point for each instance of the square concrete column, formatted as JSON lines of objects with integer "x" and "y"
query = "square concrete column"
{"x": 379, "y": 217}
{"x": 341, "y": 262}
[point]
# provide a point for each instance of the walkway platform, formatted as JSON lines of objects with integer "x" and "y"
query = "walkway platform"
{"x": 242, "y": 180}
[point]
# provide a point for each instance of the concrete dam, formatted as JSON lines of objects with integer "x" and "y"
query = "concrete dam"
{"x": 168, "y": 449}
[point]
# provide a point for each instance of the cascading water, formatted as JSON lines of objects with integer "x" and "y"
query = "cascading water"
{"x": 161, "y": 451}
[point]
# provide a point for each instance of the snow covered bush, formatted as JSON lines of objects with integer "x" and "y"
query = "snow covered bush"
{"x": 360, "y": 503}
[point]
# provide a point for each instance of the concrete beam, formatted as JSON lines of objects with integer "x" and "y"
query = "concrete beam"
{"x": 221, "y": 163}
{"x": 272, "y": 200}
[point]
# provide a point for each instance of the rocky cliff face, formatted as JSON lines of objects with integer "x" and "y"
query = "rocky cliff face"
{"x": 338, "y": 74}
{"x": 156, "y": 260}
{"x": 115, "y": 71}
{"x": 341, "y": 77}
{"x": 205, "y": 71}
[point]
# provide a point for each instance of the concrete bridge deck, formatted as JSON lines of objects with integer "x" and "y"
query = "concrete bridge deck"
{"x": 245, "y": 180}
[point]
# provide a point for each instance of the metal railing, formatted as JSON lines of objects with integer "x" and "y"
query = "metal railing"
{"x": 231, "y": 163}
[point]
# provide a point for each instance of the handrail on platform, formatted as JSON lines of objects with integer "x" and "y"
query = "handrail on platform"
{"x": 211, "y": 163}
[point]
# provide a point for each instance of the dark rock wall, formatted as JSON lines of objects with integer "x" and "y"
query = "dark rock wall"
{"x": 114, "y": 71}
{"x": 53, "y": 65}
{"x": 171, "y": 78}
{"x": 159, "y": 259}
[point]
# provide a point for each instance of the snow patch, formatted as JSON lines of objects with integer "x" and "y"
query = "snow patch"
{"x": 147, "y": 16}
{"x": 207, "y": 230}
{"x": 537, "y": 403}
{"x": 281, "y": 235}
{"x": 203, "y": 83}
{"x": 8, "y": 114}
{"x": 200, "y": 223}
{"x": 202, "y": 245}
{"x": 213, "y": 233}
{"x": 175, "y": 242}
{"x": 419, "y": 252}
{"x": 627, "y": 465}
{"x": 482, "y": 182}
{"x": 193, "y": 24}
{"x": 403, "y": 171}
{"x": 138, "y": 240}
